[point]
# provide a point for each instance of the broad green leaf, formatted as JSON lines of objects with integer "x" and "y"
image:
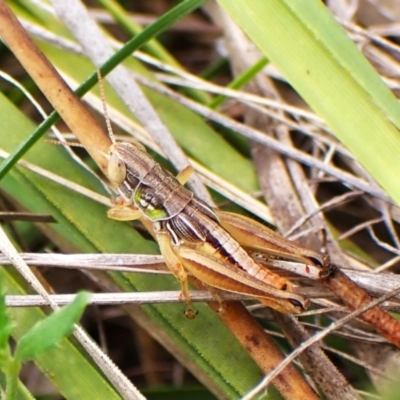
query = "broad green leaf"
{"x": 67, "y": 361}
{"x": 313, "y": 52}
{"x": 215, "y": 352}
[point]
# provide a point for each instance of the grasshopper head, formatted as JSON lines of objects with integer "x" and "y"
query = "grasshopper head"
{"x": 127, "y": 161}
{"x": 116, "y": 169}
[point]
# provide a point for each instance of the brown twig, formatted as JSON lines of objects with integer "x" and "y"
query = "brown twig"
{"x": 264, "y": 351}
{"x": 355, "y": 297}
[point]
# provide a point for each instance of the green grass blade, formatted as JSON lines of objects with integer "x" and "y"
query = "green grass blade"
{"x": 241, "y": 80}
{"x": 312, "y": 51}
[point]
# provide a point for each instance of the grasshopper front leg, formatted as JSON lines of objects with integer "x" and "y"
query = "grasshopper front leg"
{"x": 121, "y": 212}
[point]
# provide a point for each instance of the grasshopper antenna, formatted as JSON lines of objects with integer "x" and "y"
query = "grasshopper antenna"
{"x": 107, "y": 118}
{"x": 105, "y": 111}
{"x": 110, "y": 131}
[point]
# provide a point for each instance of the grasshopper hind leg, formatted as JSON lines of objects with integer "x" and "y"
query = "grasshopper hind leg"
{"x": 216, "y": 293}
{"x": 175, "y": 265}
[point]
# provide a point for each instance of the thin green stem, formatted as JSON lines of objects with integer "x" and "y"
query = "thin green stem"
{"x": 241, "y": 80}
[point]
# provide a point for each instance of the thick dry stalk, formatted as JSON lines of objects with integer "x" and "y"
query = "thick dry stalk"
{"x": 290, "y": 383}
{"x": 62, "y": 98}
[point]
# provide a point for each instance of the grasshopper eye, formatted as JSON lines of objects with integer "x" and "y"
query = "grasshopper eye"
{"x": 116, "y": 169}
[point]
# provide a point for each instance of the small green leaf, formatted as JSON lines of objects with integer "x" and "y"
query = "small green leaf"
{"x": 5, "y": 325}
{"x": 48, "y": 332}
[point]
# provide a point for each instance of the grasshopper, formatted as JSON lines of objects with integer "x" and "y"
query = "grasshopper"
{"x": 207, "y": 242}
{"x": 200, "y": 240}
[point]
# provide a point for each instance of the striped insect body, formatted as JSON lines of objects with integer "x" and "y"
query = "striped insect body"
{"x": 190, "y": 234}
